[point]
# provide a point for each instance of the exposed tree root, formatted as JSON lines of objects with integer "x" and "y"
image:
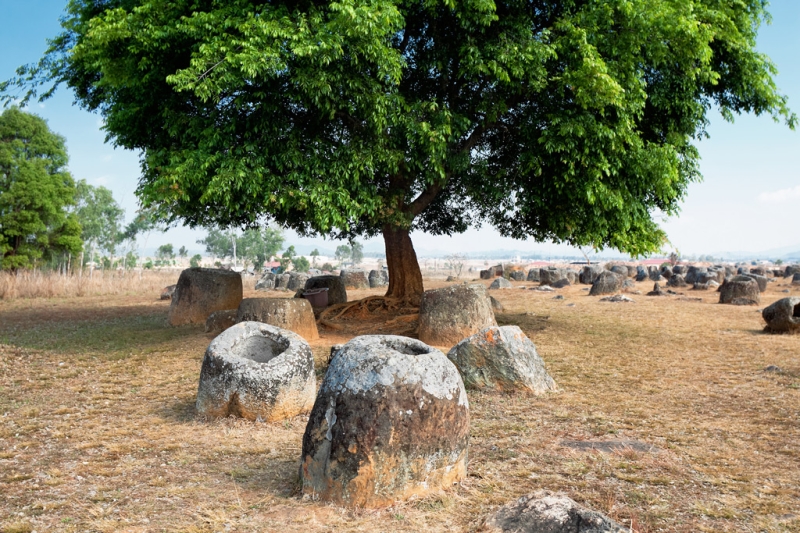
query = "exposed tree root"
{"x": 372, "y": 314}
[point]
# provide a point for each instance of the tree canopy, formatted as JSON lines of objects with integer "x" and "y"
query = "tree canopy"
{"x": 35, "y": 192}
{"x": 569, "y": 120}
{"x": 100, "y": 217}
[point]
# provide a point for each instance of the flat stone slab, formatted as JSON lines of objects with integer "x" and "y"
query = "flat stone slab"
{"x": 609, "y": 446}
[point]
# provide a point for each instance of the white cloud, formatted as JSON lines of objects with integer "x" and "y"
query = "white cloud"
{"x": 102, "y": 180}
{"x": 781, "y": 196}
{"x": 41, "y": 106}
{"x": 108, "y": 157}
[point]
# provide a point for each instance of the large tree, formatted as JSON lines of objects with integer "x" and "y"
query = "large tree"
{"x": 100, "y": 217}
{"x": 570, "y": 120}
{"x": 35, "y": 193}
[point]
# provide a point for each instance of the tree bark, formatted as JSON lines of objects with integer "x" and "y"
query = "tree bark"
{"x": 405, "y": 276}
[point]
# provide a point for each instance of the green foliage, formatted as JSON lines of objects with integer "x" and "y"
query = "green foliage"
{"x": 343, "y": 253}
{"x": 183, "y": 252}
{"x": 261, "y": 244}
{"x": 148, "y": 265}
{"x": 253, "y": 245}
{"x": 130, "y": 260}
{"x": 301, "y": 264}
{"x": 570, "y": 121}
{"x": 165, "y": 251}
{"x": 100, "y": 217}
{"x": 356, "y": 252}
{"x": 194, "y": 262}
{"x": 778, "y": 262}
{"x": 35, "y": 192}
{"x": 287, "y": 258}
{"x": 326, "y": 267}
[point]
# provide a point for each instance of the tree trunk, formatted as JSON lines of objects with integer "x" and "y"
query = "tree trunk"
{"x": 405, "y": 277}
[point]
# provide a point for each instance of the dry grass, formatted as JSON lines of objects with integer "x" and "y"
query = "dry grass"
{"x": 37, "y": 284}
{"x": 98, "y": 430}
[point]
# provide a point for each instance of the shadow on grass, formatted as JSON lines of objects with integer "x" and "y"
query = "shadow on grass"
{"x": 113, "y": 338}
{"x": 179, "y": 410}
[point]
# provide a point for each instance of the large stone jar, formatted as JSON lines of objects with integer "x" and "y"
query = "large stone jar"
{"x": 258, "y": 372}
{"x": 201, "y": 291}
{"x": 391, "y": 421}
{"x": 449, "y": 314}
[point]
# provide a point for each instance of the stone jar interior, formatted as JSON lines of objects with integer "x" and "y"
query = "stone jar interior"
{"x": 260, "y": 349}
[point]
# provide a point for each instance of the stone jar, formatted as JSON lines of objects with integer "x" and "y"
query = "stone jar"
{"x": 391, "y": 421}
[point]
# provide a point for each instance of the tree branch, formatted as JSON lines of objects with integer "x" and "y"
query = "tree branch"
{"x": 426, "y": 197}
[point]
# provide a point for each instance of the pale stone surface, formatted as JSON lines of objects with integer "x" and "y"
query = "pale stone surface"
{"x": 391, "y": 421}
{"x": 378, "y": 278}
{"x": 548, "y": 512}
{"x": 294, "y": 314}
{"x": 783, "y": 316}
{"x": 337, "y": 294}
{"x": 267, "y": 282}
{"x": 500, "y": 283}
{"x": 676, "y": 281}
{"x": 297, "y": 280}
{"x": 449, "y": 314}
{"x": 739, "y": 290}
{"x": 590, "y": 273}
{"x": 219, "y": 321}
{"x": 548, "y": 276}
{"x": 761, "y": 280}
{"x": 606, "y": 283}
{"x": 501, "y": 358}
{"x": 517, "y": 275}
{"x": 168, "y": 292}
{"x": 354, "y": 279}
{"x": 256, "y": 371}
{"x": 201, "y": 291}
{"x": 619, "y": 298}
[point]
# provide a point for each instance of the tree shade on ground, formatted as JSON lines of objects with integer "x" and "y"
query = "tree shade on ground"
{"x": 566, "y": 120}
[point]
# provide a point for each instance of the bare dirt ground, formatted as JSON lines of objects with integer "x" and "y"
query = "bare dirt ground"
{"x": 98, "y": 430}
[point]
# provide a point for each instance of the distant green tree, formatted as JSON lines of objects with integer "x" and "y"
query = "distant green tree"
{"x": 287, "y": 258}
{"x": 314, "y": 255}
{"x": 259, "y": 245}
{"x": 100, "y": 217}
{"x": 194, "y": 262}
{"x": 131, "y": 259}
{"x": 343, "y": 253}
{"x": 301, "y": 264}
{"x": 356, "y": 252}
{"x": 165, "y": 252}
{"x": 183, "y": 252}
{"x": 35, "y": 192}
{"x": 221, "y": 243}
{"x": 778, "y": 262}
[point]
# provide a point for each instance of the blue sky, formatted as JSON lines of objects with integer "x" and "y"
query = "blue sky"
{"x": 749, "y": 200}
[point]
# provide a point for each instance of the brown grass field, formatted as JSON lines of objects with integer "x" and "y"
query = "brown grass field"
{"x": 98, "y": 430}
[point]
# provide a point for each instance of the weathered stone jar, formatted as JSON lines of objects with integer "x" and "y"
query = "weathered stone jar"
{"x": 783, "y": 316}
{"x": 201, "y": 291}
{"x": 449, "y": 314}
{"x": 256, "y": 371}
{"x": 391, "y": 421}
